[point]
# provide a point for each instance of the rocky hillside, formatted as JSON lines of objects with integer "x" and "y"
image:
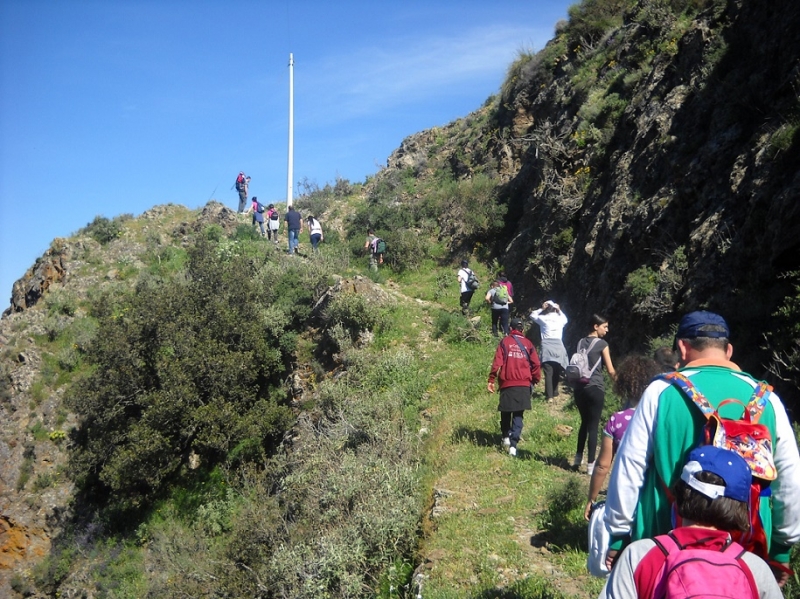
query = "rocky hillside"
{"x": 648, "y": 160}
{"x": 643, "y": 164}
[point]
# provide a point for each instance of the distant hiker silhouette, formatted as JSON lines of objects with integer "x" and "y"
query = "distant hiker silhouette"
{"x": 242, "y": 183}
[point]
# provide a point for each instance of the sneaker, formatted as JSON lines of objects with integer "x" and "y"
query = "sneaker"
{"x": 576, "y": 462}
{"x": 590, "y": 468}
{"x": 506, "y": 442}
{"x": 512, "y": 451}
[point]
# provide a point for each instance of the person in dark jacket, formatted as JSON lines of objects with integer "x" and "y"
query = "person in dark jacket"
{"x": 294, "y": 224}
{"x": 516, "y": 365}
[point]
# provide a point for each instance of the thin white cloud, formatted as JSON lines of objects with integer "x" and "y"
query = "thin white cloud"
{"x": 372, "y": 79}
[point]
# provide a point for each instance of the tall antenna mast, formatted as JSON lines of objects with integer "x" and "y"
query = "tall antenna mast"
{"x": 291, "y": 133}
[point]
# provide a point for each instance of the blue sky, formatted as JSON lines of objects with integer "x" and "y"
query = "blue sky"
{"x": 114, "y": 106}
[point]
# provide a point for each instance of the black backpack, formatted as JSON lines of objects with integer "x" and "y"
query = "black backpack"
{"x": 274, "y": 215}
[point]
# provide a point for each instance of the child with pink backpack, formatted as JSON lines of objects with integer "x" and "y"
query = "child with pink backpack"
{"x": 699, "y": 559}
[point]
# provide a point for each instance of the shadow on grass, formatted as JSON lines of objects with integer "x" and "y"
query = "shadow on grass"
{"x": 481, "y": 438}
{"x": 557, "y": 461}
{"x": 530, "y": 588}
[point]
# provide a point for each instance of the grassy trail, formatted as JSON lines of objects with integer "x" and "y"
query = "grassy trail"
{"x": 498, "y": 526}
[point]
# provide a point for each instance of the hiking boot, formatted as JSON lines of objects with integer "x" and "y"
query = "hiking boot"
{"x": 506, "y": 442}
{"x": 512, "y": 451}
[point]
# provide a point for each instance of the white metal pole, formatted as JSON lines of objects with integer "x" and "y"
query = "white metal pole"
{"x": 291, "y": 133}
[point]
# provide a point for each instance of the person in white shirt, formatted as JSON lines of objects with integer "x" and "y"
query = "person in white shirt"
{"x": 551, "y": 321}
{"x": 466, "y": 291}
{"x": 314, "y": 232}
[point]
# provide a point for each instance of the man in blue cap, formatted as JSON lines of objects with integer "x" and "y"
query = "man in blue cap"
{"x": 666, "y": 427}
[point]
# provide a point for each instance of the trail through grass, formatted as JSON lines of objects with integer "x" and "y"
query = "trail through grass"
{"x": 498, "y": 526}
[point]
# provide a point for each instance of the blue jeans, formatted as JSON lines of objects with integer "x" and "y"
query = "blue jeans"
{"x": 294, "y": 240}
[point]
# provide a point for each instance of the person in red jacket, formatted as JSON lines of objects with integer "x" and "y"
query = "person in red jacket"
{"x": 516, "y": 365}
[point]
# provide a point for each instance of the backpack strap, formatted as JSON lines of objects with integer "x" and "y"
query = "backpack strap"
{"x": 753, "y": 410}
{"x": 522, "y": 347}
{"x": 682, "y": 382}
{"x": 758, "y": 401}
{"x": 667, "y": 544}
{"x": 588, "y": 349}
{"x": 739, "y": 551}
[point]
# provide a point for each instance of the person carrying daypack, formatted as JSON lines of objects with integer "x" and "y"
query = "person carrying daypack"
{"x": 579, "y": 370}
{"x": 242, "y": 183}
{"x": 258, "y": 214}
{"x": 590, "y": 397}
{"x": 376, "y": 247}
{"x": 497, "y": 297}
{"x": 699, "y": 560}
{"x": 667, "y": 425}
{"x": 468, "y": 283}
{"x": 273, "y": 223}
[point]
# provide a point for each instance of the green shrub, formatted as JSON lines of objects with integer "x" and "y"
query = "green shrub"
{"x": 68, "y": 358}
{"x": 563, "y": 521}
{"x": 352, "y": 311}
{"x": 246, "y": 232}
{"x": 455, "y": 328}
{"x": 315, "y": 201}
{"x": 103, "y": 230}
{"x": 589, "y": 20}
{"x": 180, "y": 366}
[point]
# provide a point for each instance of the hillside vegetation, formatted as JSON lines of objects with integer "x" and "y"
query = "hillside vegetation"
{"x": 191, "y": 412}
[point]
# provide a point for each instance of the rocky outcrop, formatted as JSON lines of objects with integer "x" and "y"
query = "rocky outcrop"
{"x": 49, "y": 269}
{"x": 666, "y": 147}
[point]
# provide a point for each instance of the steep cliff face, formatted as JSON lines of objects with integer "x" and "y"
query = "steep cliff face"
{"x": 652, "y": 173}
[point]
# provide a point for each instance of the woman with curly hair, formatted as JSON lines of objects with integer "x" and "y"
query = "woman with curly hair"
{"x": 633, "y": 375}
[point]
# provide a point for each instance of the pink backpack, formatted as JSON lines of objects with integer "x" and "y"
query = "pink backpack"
{"x": 702, "y": 573}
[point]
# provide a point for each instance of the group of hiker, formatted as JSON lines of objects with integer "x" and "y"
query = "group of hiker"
{"x": 706, "y": 469}
{"x": 294, "y": 221}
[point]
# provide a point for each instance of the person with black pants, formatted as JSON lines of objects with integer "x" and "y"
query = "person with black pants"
{"x": 590, "y": 398}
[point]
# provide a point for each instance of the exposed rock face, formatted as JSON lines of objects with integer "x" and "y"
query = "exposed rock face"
{"x": 34, "y": 284}
{"x": 664, "y": 148}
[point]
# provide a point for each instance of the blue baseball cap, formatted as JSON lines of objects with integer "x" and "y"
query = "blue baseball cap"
{"x": 703, "y": 324}
{"x": 727, "y": 464}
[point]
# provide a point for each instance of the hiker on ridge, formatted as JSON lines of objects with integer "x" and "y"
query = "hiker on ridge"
{"x": 516, "y": 365}
{"x": 273, "y": 223}
{"x": 590, "y": 398}
{"x": 258, "y": 214}
{"x": 667, "y": 424}
{"x": 242, "y": 183}
{"x": 314, "y": 232}
{"x": 551, "y": 321}
{"x": 294, "y": 224}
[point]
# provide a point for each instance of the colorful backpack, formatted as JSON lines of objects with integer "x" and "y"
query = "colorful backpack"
{"x": 746, "y": 437}
{"x": 702, "y": 573}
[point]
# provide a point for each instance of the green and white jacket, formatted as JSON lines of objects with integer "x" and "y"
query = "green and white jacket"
{"x": 665, "y": 427}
